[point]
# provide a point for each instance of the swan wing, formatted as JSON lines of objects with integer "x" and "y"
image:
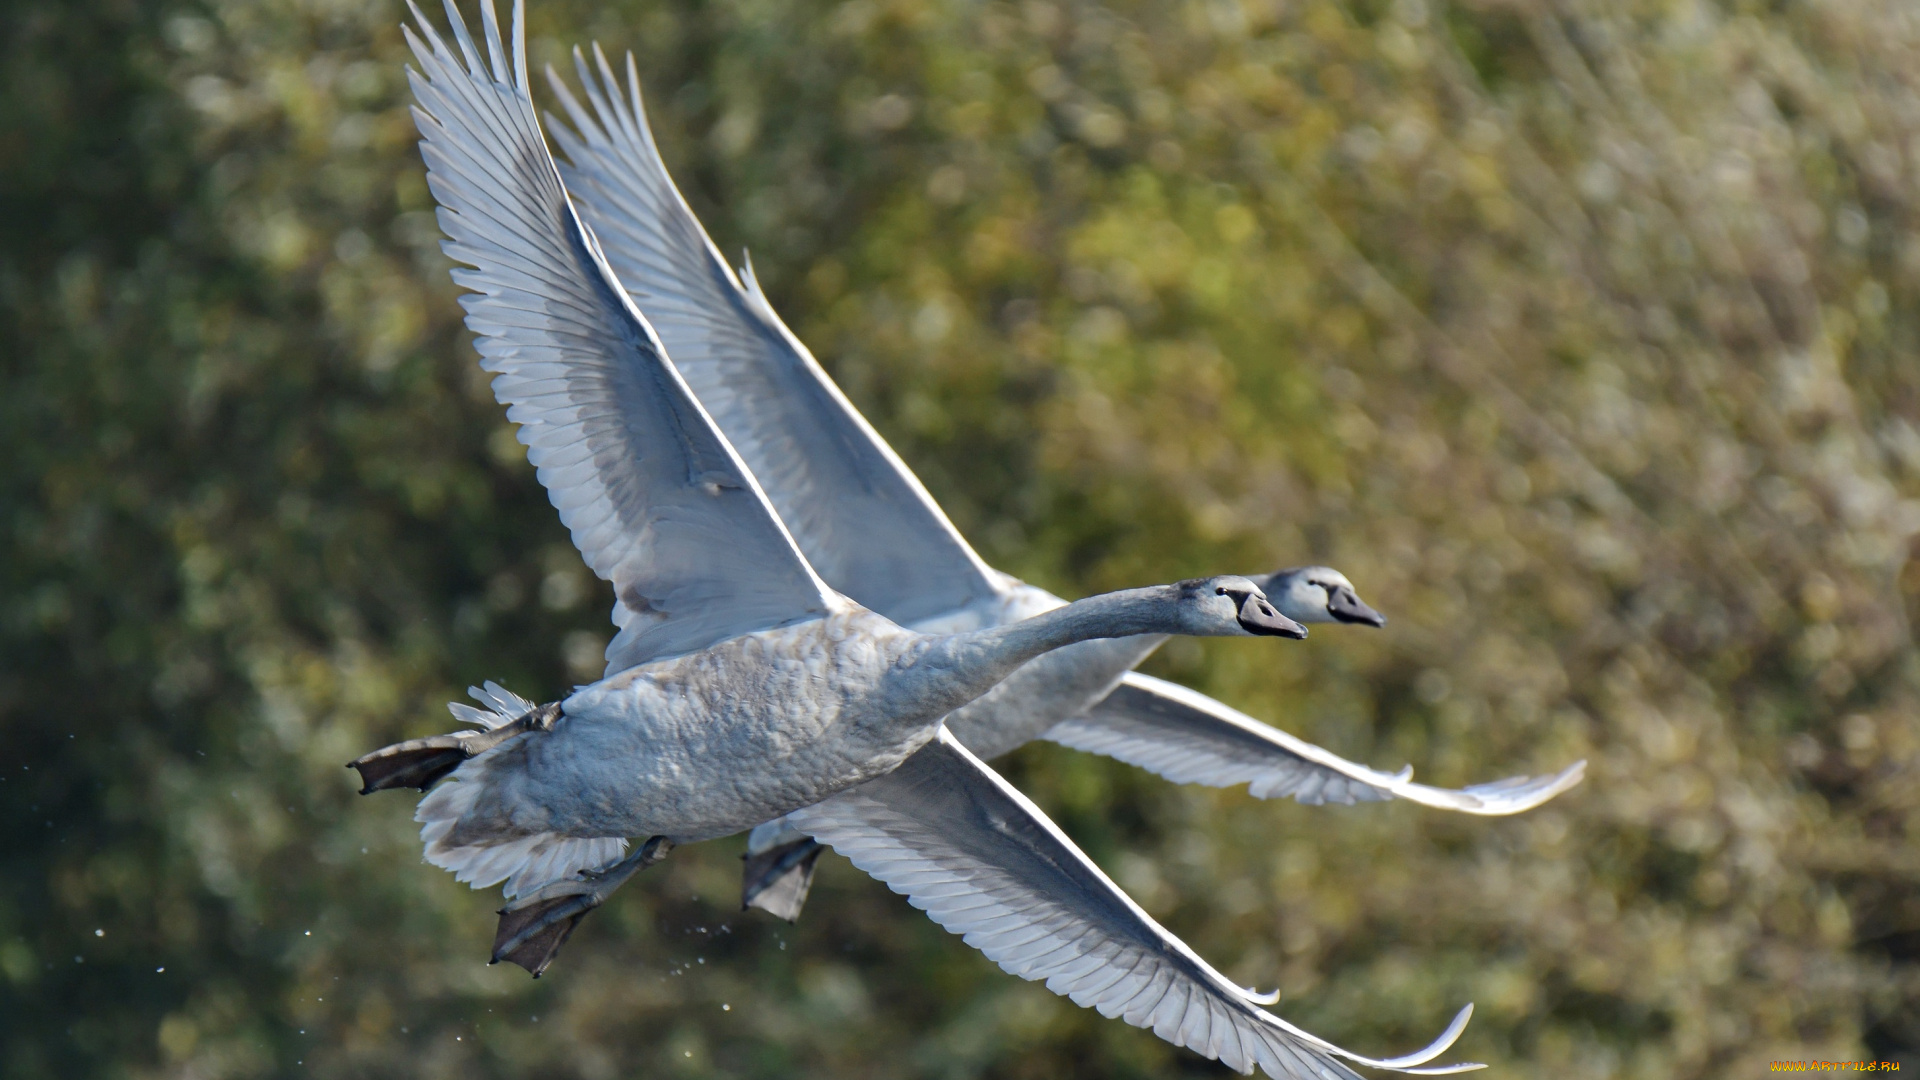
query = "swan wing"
{"x": 1190, "y": 738}
{"x": 657, "y": 501}
{"x": 860, "y": 515}
{"x": 982, "y": 861}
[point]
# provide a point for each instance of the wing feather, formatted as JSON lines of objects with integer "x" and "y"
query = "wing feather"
{"x": 656, "y": 500}
{"x": 1190, "y": 738}
{"x": 862, "y": 518}
{"x": 984, "y": 862}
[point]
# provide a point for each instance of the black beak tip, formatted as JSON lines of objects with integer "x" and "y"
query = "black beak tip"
{"x": 1259, "y": 617}
{"x": 1348, "y": 608}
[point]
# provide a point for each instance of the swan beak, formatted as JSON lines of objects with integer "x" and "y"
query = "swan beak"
{"x": 1259, "y": 617}
{"x": 1349, "y": 608}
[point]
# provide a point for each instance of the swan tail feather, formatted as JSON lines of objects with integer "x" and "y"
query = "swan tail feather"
{"x": 523, "y": 862}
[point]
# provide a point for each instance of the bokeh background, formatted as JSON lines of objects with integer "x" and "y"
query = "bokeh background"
{"x": 1580, "y": 333}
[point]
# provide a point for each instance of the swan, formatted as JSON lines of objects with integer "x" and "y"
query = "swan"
{"x": 741, "y": 686}
{"x": 871, "y": 529}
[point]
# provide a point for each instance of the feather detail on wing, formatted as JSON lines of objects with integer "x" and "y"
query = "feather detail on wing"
{"x": 968, "y": 849}
{"x": 858, "y": 513}
{"x": 658, "y": 503}
{"x": 1190, "y": 738}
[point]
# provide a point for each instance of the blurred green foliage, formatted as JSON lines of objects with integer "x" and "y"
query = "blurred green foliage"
{"x": 1580, "y": 333}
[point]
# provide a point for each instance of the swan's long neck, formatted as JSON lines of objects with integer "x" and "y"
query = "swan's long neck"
{"x": 1152, "y": 610}
{"x": 956, "y": 668}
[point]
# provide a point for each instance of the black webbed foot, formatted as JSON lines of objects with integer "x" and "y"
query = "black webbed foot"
{"x": 421, "y": 763}
{"x": 533, "y": 928}
{"x": 416, "y": 763}
{"x": 531, "y": 936}
{"x": 777, "y": 880}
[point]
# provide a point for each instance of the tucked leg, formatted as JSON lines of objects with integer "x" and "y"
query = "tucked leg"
{"x": 777, "y": 880}
{"x": 534, "y": 927}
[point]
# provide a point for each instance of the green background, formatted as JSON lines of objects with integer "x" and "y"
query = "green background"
{"x": 1580, "y": 333}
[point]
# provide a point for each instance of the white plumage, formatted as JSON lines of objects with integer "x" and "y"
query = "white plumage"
{"x": 1151, "y": 723}
{"x": 1032, "y": 903}
{"x": 741, "y": 687}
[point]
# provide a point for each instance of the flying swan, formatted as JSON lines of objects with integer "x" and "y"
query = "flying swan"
{"x": 866, "y": 523}
{"x": 741, "y": 686}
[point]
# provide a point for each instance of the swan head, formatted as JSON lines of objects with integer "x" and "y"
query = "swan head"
{"x": 1319, "y": 594}
{"x": 1232, "y": 607}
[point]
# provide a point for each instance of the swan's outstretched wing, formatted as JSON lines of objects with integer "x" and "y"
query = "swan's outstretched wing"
{"x": 1190, "y": 738}
{"x": 861, "y": 517}
{"x": 657, "y": 502}
{"x": 985, "y": 863}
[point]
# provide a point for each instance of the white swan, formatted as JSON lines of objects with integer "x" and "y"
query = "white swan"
{"x": 873, "y": 532}
{"x": 741, "y": 686}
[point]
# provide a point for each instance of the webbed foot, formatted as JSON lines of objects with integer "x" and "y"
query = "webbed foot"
{"x": 534, "y": 927}
{"x": 421, "y": 763}
{"x": 777, "y": 880}
{"x": 416, "y": 763}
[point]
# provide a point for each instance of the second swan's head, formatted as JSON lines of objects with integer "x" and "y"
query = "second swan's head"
{"x": 1319, "y": 594}
{"x": 1228, "y": 606}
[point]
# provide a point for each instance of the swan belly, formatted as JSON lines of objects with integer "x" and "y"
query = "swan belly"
{"x": 707, "y": 745}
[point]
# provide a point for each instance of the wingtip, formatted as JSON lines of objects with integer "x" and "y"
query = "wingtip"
{"x": 1558, "y": 784}
{"x": 1503, "y": 798}
{"x": 1437, "y": 1047}
{"x": 520, "y": 47}
{"x": 1409, "y": 1063}
{"x": 1570, "y": 776}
